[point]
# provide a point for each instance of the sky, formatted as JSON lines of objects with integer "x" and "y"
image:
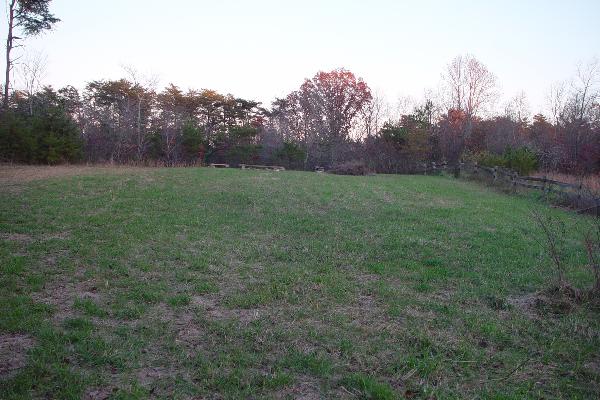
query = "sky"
{"x": 263, "y": 49}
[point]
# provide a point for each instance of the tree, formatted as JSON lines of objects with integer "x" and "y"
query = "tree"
{"x": 372, "y": 116}
{"x": 399, "y": 147}
{"x": 556, "y": 101}
{"x": 331, "y": 101}
{"x": 144, "y": 93}
{"x": 586, "y": 89}
{"x": 171, "y": 102}
{"x": 192, "y": 141}
{"x": 470, "y": 85}
{"x": 449, "y": 135}
{"x": 45, "y": 134}
{"x": 517, "y": 108}
{"x": 577, "y": 118}
{"x": 31, "y": 17}
{"x": 32, "y": 73}
{"x": 470, "y": 88}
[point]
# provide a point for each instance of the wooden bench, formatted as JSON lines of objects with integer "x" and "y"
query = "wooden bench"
{"x": 266, "y": 167}
{"x": 213, "y": 165}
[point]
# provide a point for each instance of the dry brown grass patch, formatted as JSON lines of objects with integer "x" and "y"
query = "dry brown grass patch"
{"x": 591, "y": 182}
{"x": 15, "y": 174}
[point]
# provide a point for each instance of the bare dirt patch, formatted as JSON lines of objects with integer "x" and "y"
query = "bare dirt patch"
{"x": 305, "y": 388}
{"x": 15, "y": 237}
{"x": 147, "y": 377}
{"x": 98, "y": 393}
{"x": 61, "y": 295}
{"x": 214, "y": 310}
{"x": 56, "y": 236}
{"x": 13, "y": 353}
{"x": 27, "y": 239}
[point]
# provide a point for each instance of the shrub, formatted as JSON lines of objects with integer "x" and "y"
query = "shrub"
{"x": 290, "y": 156}
{"x": 350, "y": 168}
{"x": 487, "y": 159}
{"x": 522, "y": 159}
{"x": 192, "y": 138}
{"x": 243, "y": 154}
{"x": 49, "y": 137}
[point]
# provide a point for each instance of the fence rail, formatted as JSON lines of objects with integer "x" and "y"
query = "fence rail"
{"x": 507, "y": 176}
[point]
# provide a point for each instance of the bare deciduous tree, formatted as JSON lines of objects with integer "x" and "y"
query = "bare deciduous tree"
{"x": 32, "y": 70}
{"x": 404, "y": 105}
{"x": 556, "y": 101}
{"x": 586, "y": 88}
{"x": 471, "y": 87}
{"x": 145, "y": 91}
{"x": 517, "y": 108}
{"x": 372, "y": 117}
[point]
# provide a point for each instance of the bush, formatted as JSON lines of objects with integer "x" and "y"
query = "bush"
{"x": 487, "y": 159}
{"x": 192, "y": 137}
{"x": 290, "y": 156}
{"x": 243, "y": 154}
{"x": 350, "y": 168}
{"x": 522, "y": 160}
{"x": 50, "y": 137}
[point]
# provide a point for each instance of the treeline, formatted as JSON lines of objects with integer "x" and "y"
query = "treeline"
{"x": 332, "y": 119}
{"x": 123, "y": 122}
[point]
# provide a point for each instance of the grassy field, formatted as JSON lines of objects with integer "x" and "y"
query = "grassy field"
{"x": 206, "y": 283}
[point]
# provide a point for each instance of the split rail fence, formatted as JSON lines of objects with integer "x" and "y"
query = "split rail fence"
{"x": 499, "y": 175}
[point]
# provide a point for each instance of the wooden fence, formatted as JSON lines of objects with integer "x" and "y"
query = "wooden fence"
{"x": 503, "y": 176}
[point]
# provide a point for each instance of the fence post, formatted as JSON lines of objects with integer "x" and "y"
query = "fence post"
{"x": 457, "y": 170}
{"x": 544, "y": 188}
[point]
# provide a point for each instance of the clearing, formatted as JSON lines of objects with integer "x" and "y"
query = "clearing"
{"x": 225, "y": 283}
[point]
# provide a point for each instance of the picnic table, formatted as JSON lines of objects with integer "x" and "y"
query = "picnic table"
{"x": 267, "y": 167}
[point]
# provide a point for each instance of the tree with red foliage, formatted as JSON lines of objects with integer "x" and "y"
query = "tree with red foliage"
{"x": 330, "y": 101}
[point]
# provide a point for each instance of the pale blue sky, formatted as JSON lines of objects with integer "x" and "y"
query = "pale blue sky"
{"x": 261, "y": 49}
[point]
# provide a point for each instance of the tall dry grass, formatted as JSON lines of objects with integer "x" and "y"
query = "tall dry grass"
{"x": 589, "y": 182}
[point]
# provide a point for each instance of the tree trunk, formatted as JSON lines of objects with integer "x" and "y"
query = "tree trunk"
{"x": 9, "y": 46}
{"x": 140, "y": 149}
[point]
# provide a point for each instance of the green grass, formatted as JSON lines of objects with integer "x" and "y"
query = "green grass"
{"x": 189, "y": 283}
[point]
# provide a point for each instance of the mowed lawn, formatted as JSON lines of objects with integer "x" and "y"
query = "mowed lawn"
{"x": 208, "y": 283}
